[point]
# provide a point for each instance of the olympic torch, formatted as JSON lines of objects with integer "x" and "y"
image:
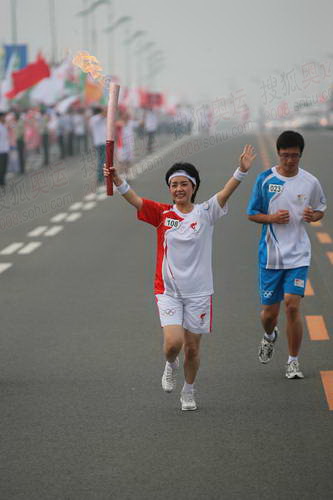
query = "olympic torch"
{"x": 110, "y": 132}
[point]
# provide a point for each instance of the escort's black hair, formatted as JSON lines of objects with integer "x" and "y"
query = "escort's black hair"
{"x": 190, "y": 170}
{"x": 290, "y": 139}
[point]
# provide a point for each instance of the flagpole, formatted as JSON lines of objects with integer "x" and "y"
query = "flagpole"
{"x": 14, "y": 22}
{"x": 85, "y": 25}
{"x": 93, "y": 32}
{"x": 127, "y": 56}
{"x": 110, "y": 44}
{"x": 53, "y": 32}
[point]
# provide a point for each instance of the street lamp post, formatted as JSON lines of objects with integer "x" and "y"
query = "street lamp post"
{"x": 90, "y": 11}
{"x": 155, "y": 70}
{"x": 128, "y": 55}
{"x": 110, "y": 42}
{"x": 155, "y": 65}
{"x": 93, "y": 33}
{"x": 142, "y": 51}
{"x": 53, "y": 32}
{"x": 136, "y": 37}
{"x": 85, "y": 42}
{"x": 84, "y": 13}
{"x": 110, "y": 30}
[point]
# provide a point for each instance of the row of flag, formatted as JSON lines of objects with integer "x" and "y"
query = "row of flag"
{"x": 48, "y": 85}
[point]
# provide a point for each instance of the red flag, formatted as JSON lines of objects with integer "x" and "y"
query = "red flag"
{"x": 150, "y": 99}
{"x": 28, "y": 76}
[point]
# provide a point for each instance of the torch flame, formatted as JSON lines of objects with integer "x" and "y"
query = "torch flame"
{"x": 88, "y": 64}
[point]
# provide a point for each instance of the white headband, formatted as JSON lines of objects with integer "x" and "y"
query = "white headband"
{"x": 183, "y": 174}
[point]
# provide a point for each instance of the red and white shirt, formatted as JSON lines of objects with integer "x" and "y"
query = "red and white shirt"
{"x": 184, "y": 246}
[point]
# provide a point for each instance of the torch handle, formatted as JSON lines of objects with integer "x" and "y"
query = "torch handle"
{"x": 109, "y": 163}
{"x": 110, "y": 131}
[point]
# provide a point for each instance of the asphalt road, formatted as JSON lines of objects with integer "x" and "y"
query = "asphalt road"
{"x": 83, "y": 415}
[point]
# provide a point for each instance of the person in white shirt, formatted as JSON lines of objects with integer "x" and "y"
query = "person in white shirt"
{"x": 97, "y": 125}
{"x": 4, "y": 150}
{"x": 61, "y": 135}
{"x": 79, "y": 131}
{"x": 285, "y": 198}
{"x": 183, "y": 278}
{"x": 150, "y": 126}
{"x": 69, "y": 125}
{"x": 125, "y": 140}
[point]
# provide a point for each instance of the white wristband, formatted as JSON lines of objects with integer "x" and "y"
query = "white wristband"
{"x": 123, "y": 188}
{"x": 239, "y": 175}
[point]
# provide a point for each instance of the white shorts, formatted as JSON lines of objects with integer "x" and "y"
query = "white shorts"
{"x": 195, "y": 314}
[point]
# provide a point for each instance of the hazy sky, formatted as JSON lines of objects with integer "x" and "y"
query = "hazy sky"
{"x": 210, "y": 46}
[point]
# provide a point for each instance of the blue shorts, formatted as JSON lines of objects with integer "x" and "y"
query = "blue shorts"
{"x": 274, "y": 283}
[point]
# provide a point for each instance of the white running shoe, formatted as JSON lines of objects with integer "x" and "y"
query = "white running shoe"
{"x": 293, "y": 370}
{"x": 187, "y": 401}
{"x": 169, "y": 377}
{"x": 266, "y": 347}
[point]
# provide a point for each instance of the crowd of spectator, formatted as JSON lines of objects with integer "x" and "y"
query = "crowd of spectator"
{"x": 72, "y": 132}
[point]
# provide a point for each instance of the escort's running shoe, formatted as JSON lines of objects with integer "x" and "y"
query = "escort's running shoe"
{"x": 266, "y": 347}
{"x": 169, "y": 377}
{"x": 187, "y": 401}
{"x": 293, "y": 370}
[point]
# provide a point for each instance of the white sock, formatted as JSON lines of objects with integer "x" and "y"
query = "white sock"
{"x": 270, "y": 337}
{"x": 188, "y": 387}
{"x": 292, "y": 358}
{"x": 173, "y": 365}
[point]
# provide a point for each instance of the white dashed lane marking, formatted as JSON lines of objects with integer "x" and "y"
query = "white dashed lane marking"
{"x": 30, "y": 247}
{"x": 76, "y": 206}
{"x": 37, "y": 231}
{"x": 54, "y": 230}
{"x": 59, "y": 217}
{"x": 101, "y": 197}
{"x": 11, "y": 248}
{"x": 73, "y": 217}
{"x": 4, "y": 266}
{"x": 90, "y": 197}
{"x": 90, "y": 205}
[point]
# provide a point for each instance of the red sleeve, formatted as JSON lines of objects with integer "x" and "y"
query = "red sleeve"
{"x": 151, "y": 212}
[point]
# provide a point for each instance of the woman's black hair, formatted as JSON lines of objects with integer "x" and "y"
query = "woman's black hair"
{"x": 190, "y": 170}
{"x": 290, "y": 139}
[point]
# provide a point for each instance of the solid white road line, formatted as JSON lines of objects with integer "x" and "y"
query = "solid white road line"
{"x": 37, "y": 231}
{"x": 59, "y": 217}
{"x": 54, "y": 230}
{"x": 4, "y": 266}
{"x": 73, "y": 217}
{"x": 11, "y": 248}
{"x": 76, "y": 206}
{"x": 90, "y": 205}
{"x": 90, "y": 197}
{"x": 30, "y": 247}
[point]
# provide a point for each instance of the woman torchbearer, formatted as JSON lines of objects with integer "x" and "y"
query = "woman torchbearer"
{"x": 183, "y": 278}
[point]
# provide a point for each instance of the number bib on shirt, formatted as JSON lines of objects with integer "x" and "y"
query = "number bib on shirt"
{"x": 275, "y": 188}
{"x": 173, "y": 223}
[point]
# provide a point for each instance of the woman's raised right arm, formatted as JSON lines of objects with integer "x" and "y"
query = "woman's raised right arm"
{"x": 123, "y": 187}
